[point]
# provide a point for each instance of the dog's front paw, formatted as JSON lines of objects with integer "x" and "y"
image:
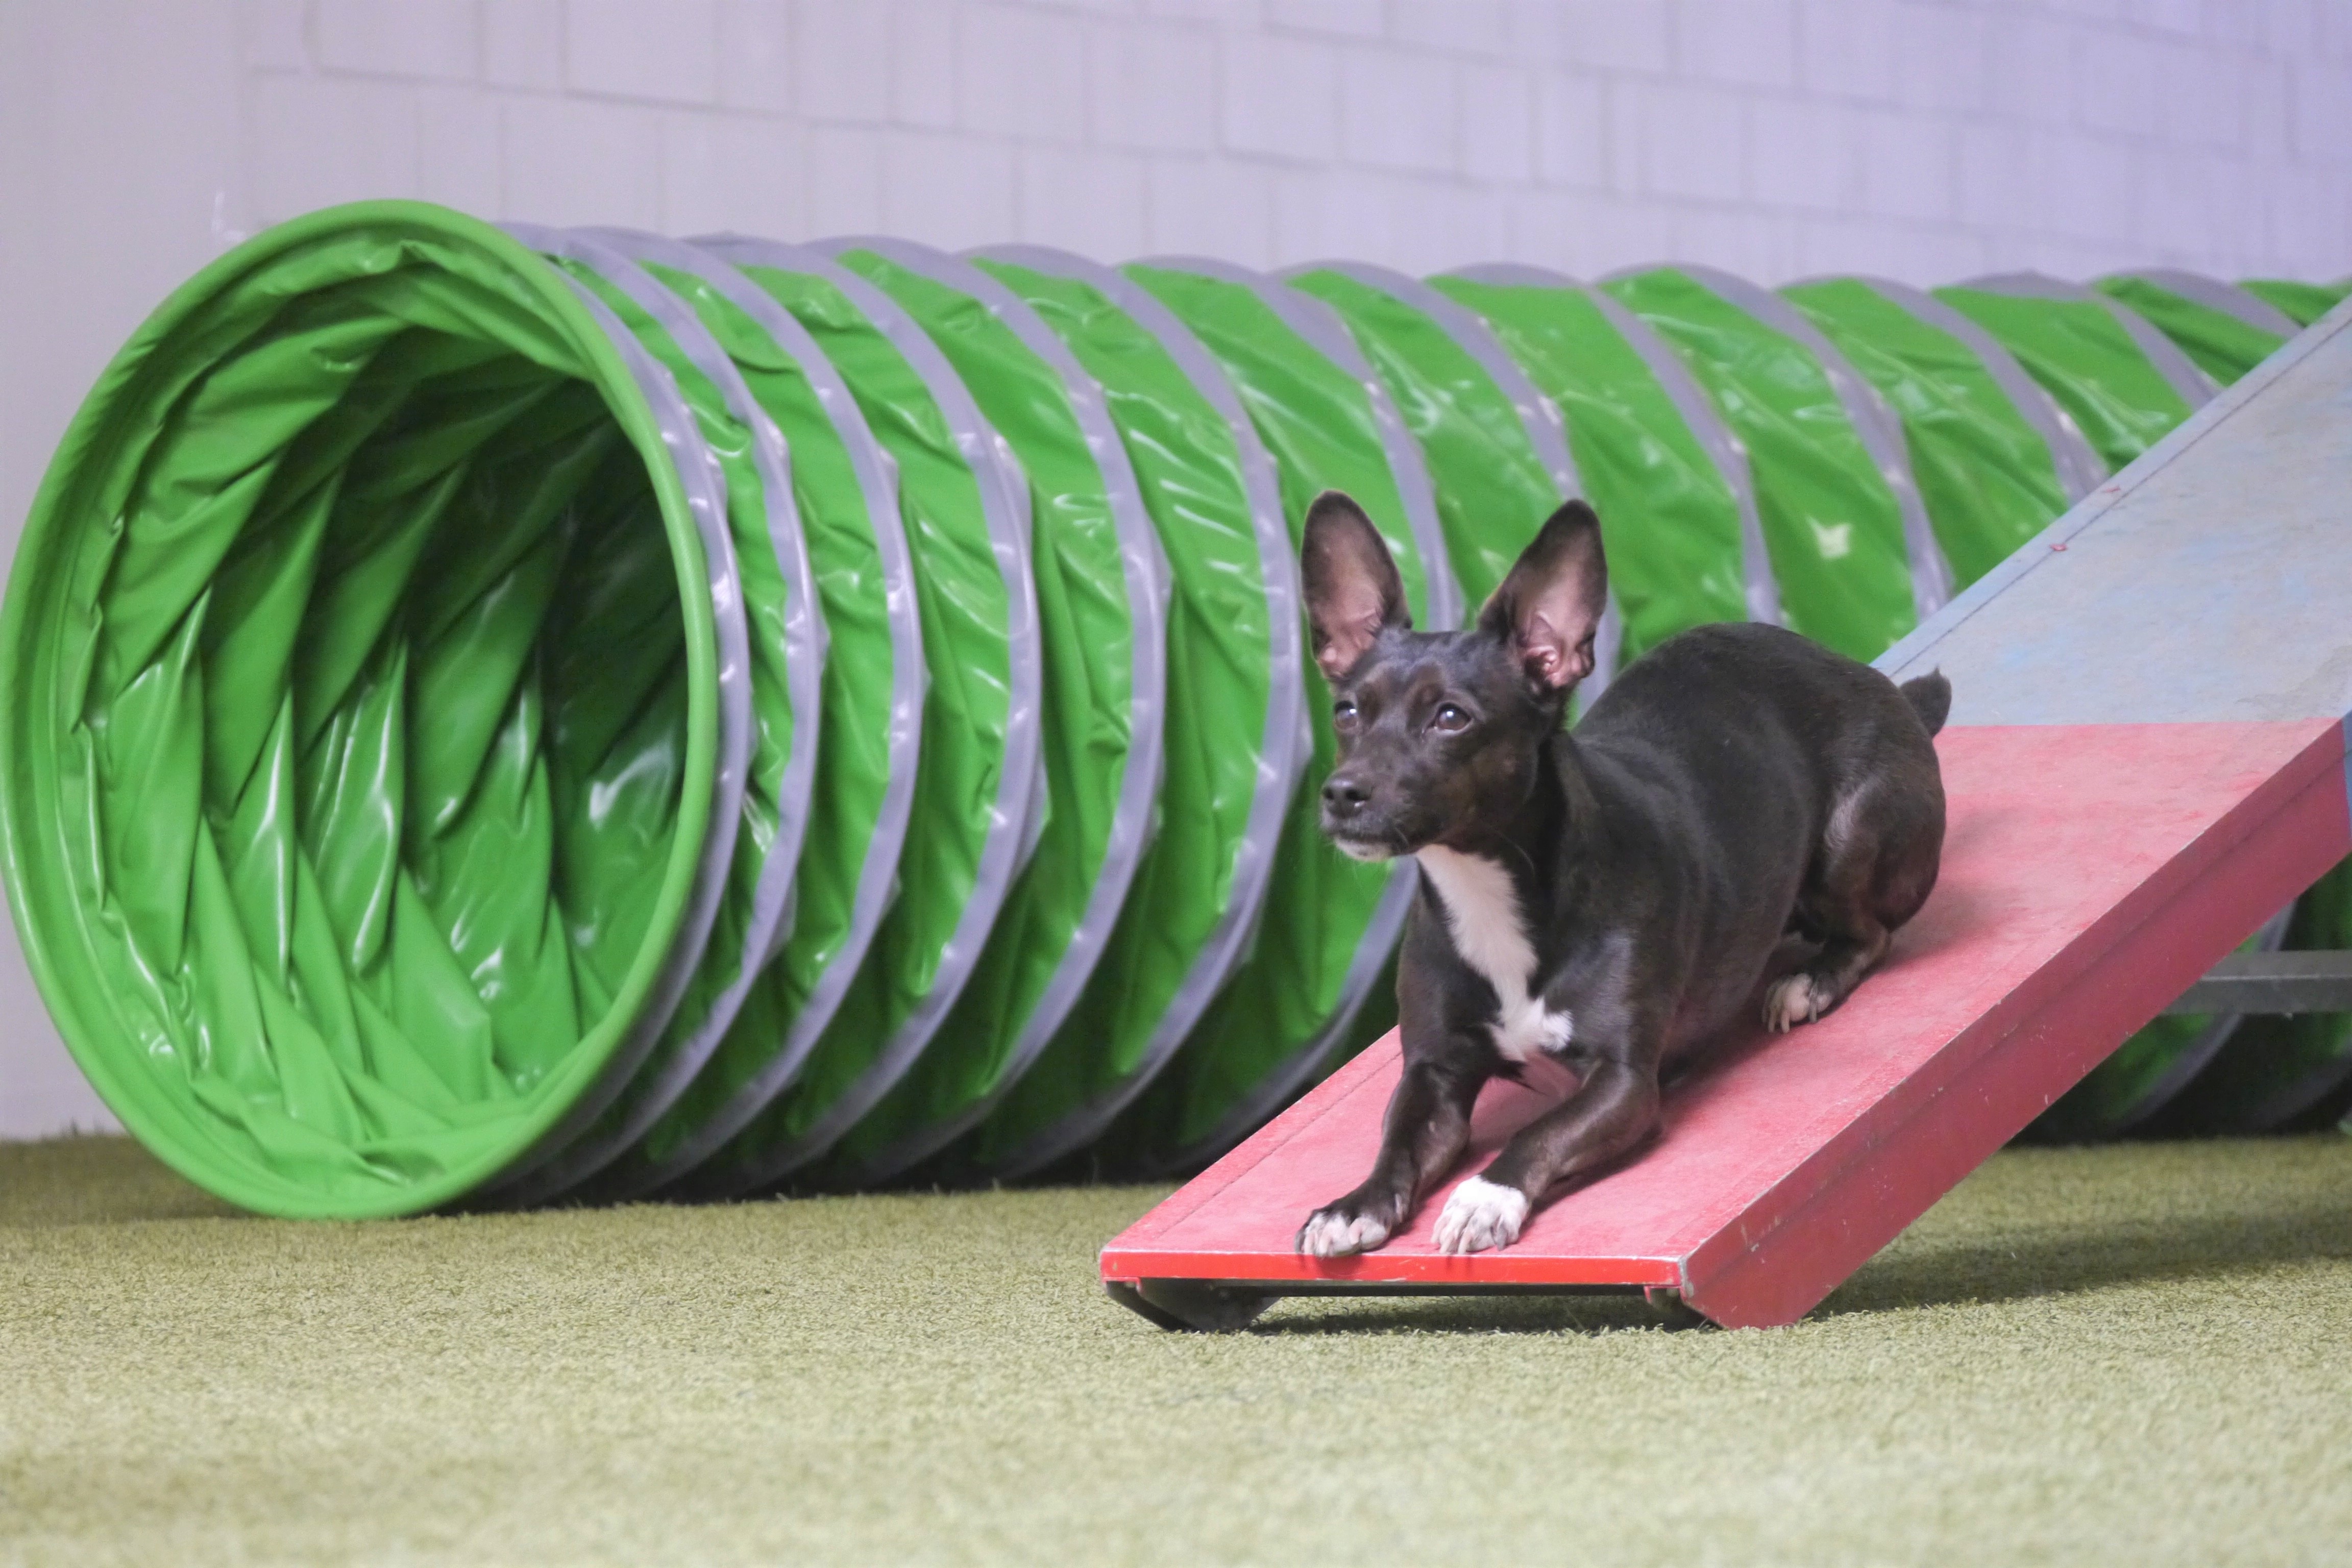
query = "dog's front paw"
{"x": 1793, "y": 999}
{"x": 1340, "y": 1229}
{"x": 1481, "y": 1215}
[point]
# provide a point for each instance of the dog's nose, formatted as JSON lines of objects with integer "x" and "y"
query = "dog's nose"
{"x": 1344, "y": 797}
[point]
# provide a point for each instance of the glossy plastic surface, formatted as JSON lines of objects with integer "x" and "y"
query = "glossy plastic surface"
{"x": 1493, "y": 484}
{"x": 2301, "y": 303}
{"x": 770, "y": 647}
{"x": 1831, "y": 525}
{"x": 1670, "y": 512}
{"x": 965, "y": 507}
{"x": 1235, "y": 728}
{"x": 1329, "y": 922}
{"x": 2225, "y": 342}
{"x": 2084, "y": 358}
{"x": 510, "y": 716}
{"x": 1989, "y": 477}
{"x": 1101, "y": 593}
{"x": 871, "y": 712}
{"x": 364, "y": 746}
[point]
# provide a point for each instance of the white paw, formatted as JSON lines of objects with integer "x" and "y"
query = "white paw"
{"x": 1792, "y": 1000}
{"x": 1481, "y": 1215}
{"x": 1328, "y": 1235}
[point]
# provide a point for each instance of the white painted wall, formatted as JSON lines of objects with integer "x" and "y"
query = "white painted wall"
{"x": 1927, "y": 139}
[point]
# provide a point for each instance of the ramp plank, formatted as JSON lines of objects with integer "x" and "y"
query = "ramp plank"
{"x": 2088, "y": 870}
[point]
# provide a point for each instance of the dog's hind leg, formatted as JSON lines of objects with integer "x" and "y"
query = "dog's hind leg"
{"x": 1810, "y": 992}
{"x": 1845, "y": 906}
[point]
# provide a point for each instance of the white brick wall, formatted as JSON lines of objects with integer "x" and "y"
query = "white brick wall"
{"x": 1927, "y": 139}
{"x": 1151, "y": 86}
{"x": 608, "y": 50}
{"x": 2011, "y": 133}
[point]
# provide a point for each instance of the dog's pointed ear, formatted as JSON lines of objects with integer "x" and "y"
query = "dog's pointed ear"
{"x": 1548, "y": 609}
{"x": 1353, "y": 592}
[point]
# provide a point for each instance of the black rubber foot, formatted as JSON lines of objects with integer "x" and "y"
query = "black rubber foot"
{"x": 1190, "y": 1303}
{"x": 1672, "y": 1310}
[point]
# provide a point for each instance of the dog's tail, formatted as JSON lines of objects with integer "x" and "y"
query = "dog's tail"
{"x": 1930, "y": 697}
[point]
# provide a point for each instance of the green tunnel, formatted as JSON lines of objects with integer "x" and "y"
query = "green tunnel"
{"x": 504, "y": 716}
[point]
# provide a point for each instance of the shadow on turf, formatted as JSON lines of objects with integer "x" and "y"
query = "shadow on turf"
{"x": 2061, "y": 1260}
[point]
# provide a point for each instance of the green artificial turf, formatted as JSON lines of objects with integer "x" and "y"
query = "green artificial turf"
{"x": 2135, "y": 1354}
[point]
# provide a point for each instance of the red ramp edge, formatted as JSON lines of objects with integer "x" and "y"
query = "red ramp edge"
{"x": 2091, "y": 873}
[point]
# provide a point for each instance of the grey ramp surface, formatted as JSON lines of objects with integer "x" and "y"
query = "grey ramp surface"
{"x": 2209, "y": 581}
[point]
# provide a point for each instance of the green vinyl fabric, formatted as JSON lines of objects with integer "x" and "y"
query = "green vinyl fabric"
{"x": 1833, "y": 527}
{"x": 1232, "y": 718}
{"x": 2086, "y": 361}
{"x": 1669, "y": 515}
{"x": 1094, "y": 617}
{"x": 2303, "y": 303}
{"x": 2224, "y": 347}
{"x": 1311, "y": 966}
{"x": 508, "y": 716}
{"x": 974, "y": 784}
{"x": 362, "y": 572}
{"x": 870, "y": 715}
{"x": 780, "y": 653}
{"x": 1987, "y": 476}
{"x": 1494, "y": 490}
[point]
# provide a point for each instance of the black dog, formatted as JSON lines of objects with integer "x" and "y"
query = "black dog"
{"x": 1609, "y": 898}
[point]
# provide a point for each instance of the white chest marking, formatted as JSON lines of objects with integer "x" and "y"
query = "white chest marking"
{"x": 1482, "y": 910}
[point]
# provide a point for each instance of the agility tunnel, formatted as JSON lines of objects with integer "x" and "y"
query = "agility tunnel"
{"x": 509, "y": 715}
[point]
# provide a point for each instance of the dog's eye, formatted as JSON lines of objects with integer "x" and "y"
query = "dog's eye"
{"x": 1450, "y": 718}
{"x": 1343, "y": 713}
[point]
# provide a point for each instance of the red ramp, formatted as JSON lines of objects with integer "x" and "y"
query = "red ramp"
{"x": 2096, "y": 864}
{"x": 2089, "y": 872}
